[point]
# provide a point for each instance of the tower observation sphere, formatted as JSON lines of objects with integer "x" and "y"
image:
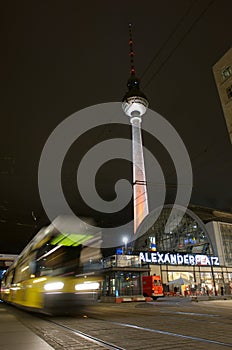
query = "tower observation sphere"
{"x": 134, "y": 101}
{"x": 134, "y": 105}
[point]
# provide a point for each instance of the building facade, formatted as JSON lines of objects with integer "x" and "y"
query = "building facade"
{"x": 195, "y": 245}
{"x": 223, "y": 77}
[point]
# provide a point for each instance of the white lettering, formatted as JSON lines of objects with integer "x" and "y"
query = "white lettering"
{"x": 191, "y": 260}
{"x": 141, "y": 257}
{"x": 153, "y": 258}
{"x": 215, "y": 261}
{"x": 147, "y": 257}
{"x": 186, "y": 259}
{"x": 204, "y": 260}
{"x": 198, "y": 259}
{"x": 173, "y": 258}
{"x": 180, "y": 259}
{"x": 166, "y": 258}
{"x": 160, "y": 258}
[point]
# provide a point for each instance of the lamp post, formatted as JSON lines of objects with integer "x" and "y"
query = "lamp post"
{"x": 125, "y": 241}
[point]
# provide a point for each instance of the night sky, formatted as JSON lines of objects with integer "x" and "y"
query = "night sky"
{"x": 58, "y": 57}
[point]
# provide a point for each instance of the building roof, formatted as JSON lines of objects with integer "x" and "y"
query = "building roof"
{"x": 209, "y": 214}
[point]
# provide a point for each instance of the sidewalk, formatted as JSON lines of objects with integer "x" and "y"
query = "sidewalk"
{"x": 14, "y": 335}
{"x": 196, "y": 298}
{"x": 210, "y": 297}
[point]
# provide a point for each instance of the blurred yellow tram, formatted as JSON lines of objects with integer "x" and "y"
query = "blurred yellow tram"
{"x": 56, "y": 272}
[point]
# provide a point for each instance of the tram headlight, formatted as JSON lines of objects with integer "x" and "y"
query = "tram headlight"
{"x": 53, "y": 286}
{"x": 87, "y": 286}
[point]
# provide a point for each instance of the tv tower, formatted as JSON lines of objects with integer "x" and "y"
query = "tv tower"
{"x": 135, "y": 105}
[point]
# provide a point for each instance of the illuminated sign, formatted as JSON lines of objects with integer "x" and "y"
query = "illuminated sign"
{"x": 178, "y": 259}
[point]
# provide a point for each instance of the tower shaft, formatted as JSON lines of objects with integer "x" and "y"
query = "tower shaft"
{"x": 139, "y": 176}
{"x": 135, "y": 105}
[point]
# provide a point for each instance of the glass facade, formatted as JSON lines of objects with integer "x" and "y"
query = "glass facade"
{"x": 180, "y": 233}
{"x": 123, "y": 276}
{"x": 120, "y": 283}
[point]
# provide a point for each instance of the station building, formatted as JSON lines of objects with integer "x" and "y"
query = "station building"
{"x": 193, "y": 244}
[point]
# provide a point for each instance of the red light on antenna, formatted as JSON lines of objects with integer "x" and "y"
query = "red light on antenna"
{"x": 131, "y": 54}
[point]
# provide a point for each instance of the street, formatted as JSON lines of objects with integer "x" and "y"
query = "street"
{"x": 169, "y": 323}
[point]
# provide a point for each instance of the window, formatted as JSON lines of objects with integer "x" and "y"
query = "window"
{"x": 229, "y": 92}
{"x": 226, "y": 232}
{"x": 25, "y": 268}
{"x": 57, "y": 260}
{"x": 226, "y": 72}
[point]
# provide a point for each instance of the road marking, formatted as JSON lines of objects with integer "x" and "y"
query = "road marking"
{"x": 172, "y": 334}
{"x": 189, "y": 313}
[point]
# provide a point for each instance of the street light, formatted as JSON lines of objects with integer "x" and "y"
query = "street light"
{"x": 125, "y": 241}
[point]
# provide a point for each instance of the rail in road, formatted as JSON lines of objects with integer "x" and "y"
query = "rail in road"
{"x": 112, "y": 346}
{"x": 137, "y": 327}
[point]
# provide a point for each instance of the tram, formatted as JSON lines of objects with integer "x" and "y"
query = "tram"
{"x": 57, "y": 272}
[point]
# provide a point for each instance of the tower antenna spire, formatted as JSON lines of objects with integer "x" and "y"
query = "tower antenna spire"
{"x": 132, "y": 65}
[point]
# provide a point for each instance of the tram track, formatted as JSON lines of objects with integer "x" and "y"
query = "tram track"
{"x": 124, "y": 326}
{"x": 88, "y": 337}
{"x": 117, "y": 328}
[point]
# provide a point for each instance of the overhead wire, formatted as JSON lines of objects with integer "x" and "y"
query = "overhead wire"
{"x": 179, "y": 43}
{"x": 168, "y": 38}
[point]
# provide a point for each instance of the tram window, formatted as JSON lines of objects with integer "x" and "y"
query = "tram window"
{"x": 9, "y": 278}
{"x": 22, "y": 272}
{"x": 25, "y": 269}
{"x": 60, "y": 261}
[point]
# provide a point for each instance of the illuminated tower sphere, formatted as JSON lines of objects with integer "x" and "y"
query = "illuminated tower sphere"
{"x": 135, "y": 105}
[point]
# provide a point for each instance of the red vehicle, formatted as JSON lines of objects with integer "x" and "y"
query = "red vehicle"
{"x": 152, "y": 287}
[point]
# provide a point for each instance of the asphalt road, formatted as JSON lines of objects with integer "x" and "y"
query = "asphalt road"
{"x": 175, "y": 323}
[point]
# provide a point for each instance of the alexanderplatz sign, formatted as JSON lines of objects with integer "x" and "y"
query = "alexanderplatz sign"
{"x": 178, "y": 259}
